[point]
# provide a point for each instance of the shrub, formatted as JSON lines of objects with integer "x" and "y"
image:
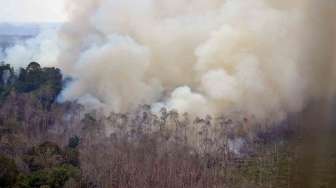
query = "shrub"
{"x": 73, "y": 142}
{"x": 8, "y": 172}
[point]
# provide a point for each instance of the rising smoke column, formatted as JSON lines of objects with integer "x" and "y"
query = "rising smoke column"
{"x": 259, "y": 57}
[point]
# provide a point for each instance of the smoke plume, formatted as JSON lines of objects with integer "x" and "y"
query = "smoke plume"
{"x": 44, "y": 48}
{"x": 265, "y": 58}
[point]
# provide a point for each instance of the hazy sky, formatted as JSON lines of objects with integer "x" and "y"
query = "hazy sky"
{"x": 32, "y": 11}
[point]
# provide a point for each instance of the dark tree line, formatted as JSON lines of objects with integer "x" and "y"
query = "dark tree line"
{"x": 44, "y": 83}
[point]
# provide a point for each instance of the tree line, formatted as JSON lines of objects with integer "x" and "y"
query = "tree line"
{"x": 44, "y": 143}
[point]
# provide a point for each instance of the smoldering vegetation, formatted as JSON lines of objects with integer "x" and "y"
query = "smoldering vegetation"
{"x": 173, "y": 93}
{"x": 48, "y": 144}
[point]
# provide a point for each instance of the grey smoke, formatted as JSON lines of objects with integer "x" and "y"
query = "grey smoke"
{"x": 264, "y": 58}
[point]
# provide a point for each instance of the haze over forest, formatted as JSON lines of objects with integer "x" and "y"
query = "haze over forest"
{"x": 168, "y": 93}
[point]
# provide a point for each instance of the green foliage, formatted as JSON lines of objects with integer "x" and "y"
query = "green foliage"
{"x": 50, "y": 166}
{"x": 53, "y": 177}
{"x": 71, "y": 156}
{"x": 35, "y": 179}
{"x": 73, "y": 142}
{"x": 51, "y": 87}
{"x": 44, "y": 83}
{"x": 33, "y": 67}
{"x": 43, "y": 156}
{"x": 6, "y": 80}
{"x": 8, "y": 172}
{"x": 29, "y": 79}
{"x": 59, "y": 175}
{"x": 71, "y": 152}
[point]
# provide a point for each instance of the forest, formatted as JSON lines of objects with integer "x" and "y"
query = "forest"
{"x": 45, "y": 143}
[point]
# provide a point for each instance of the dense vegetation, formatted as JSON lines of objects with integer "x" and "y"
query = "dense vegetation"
{"x": 47, "y": 144}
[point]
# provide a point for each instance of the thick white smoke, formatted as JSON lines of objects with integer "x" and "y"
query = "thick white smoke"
{"x": 260, "y": 57}
{"x": 193, "y": 56}
{"x": 43, "y": 48}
